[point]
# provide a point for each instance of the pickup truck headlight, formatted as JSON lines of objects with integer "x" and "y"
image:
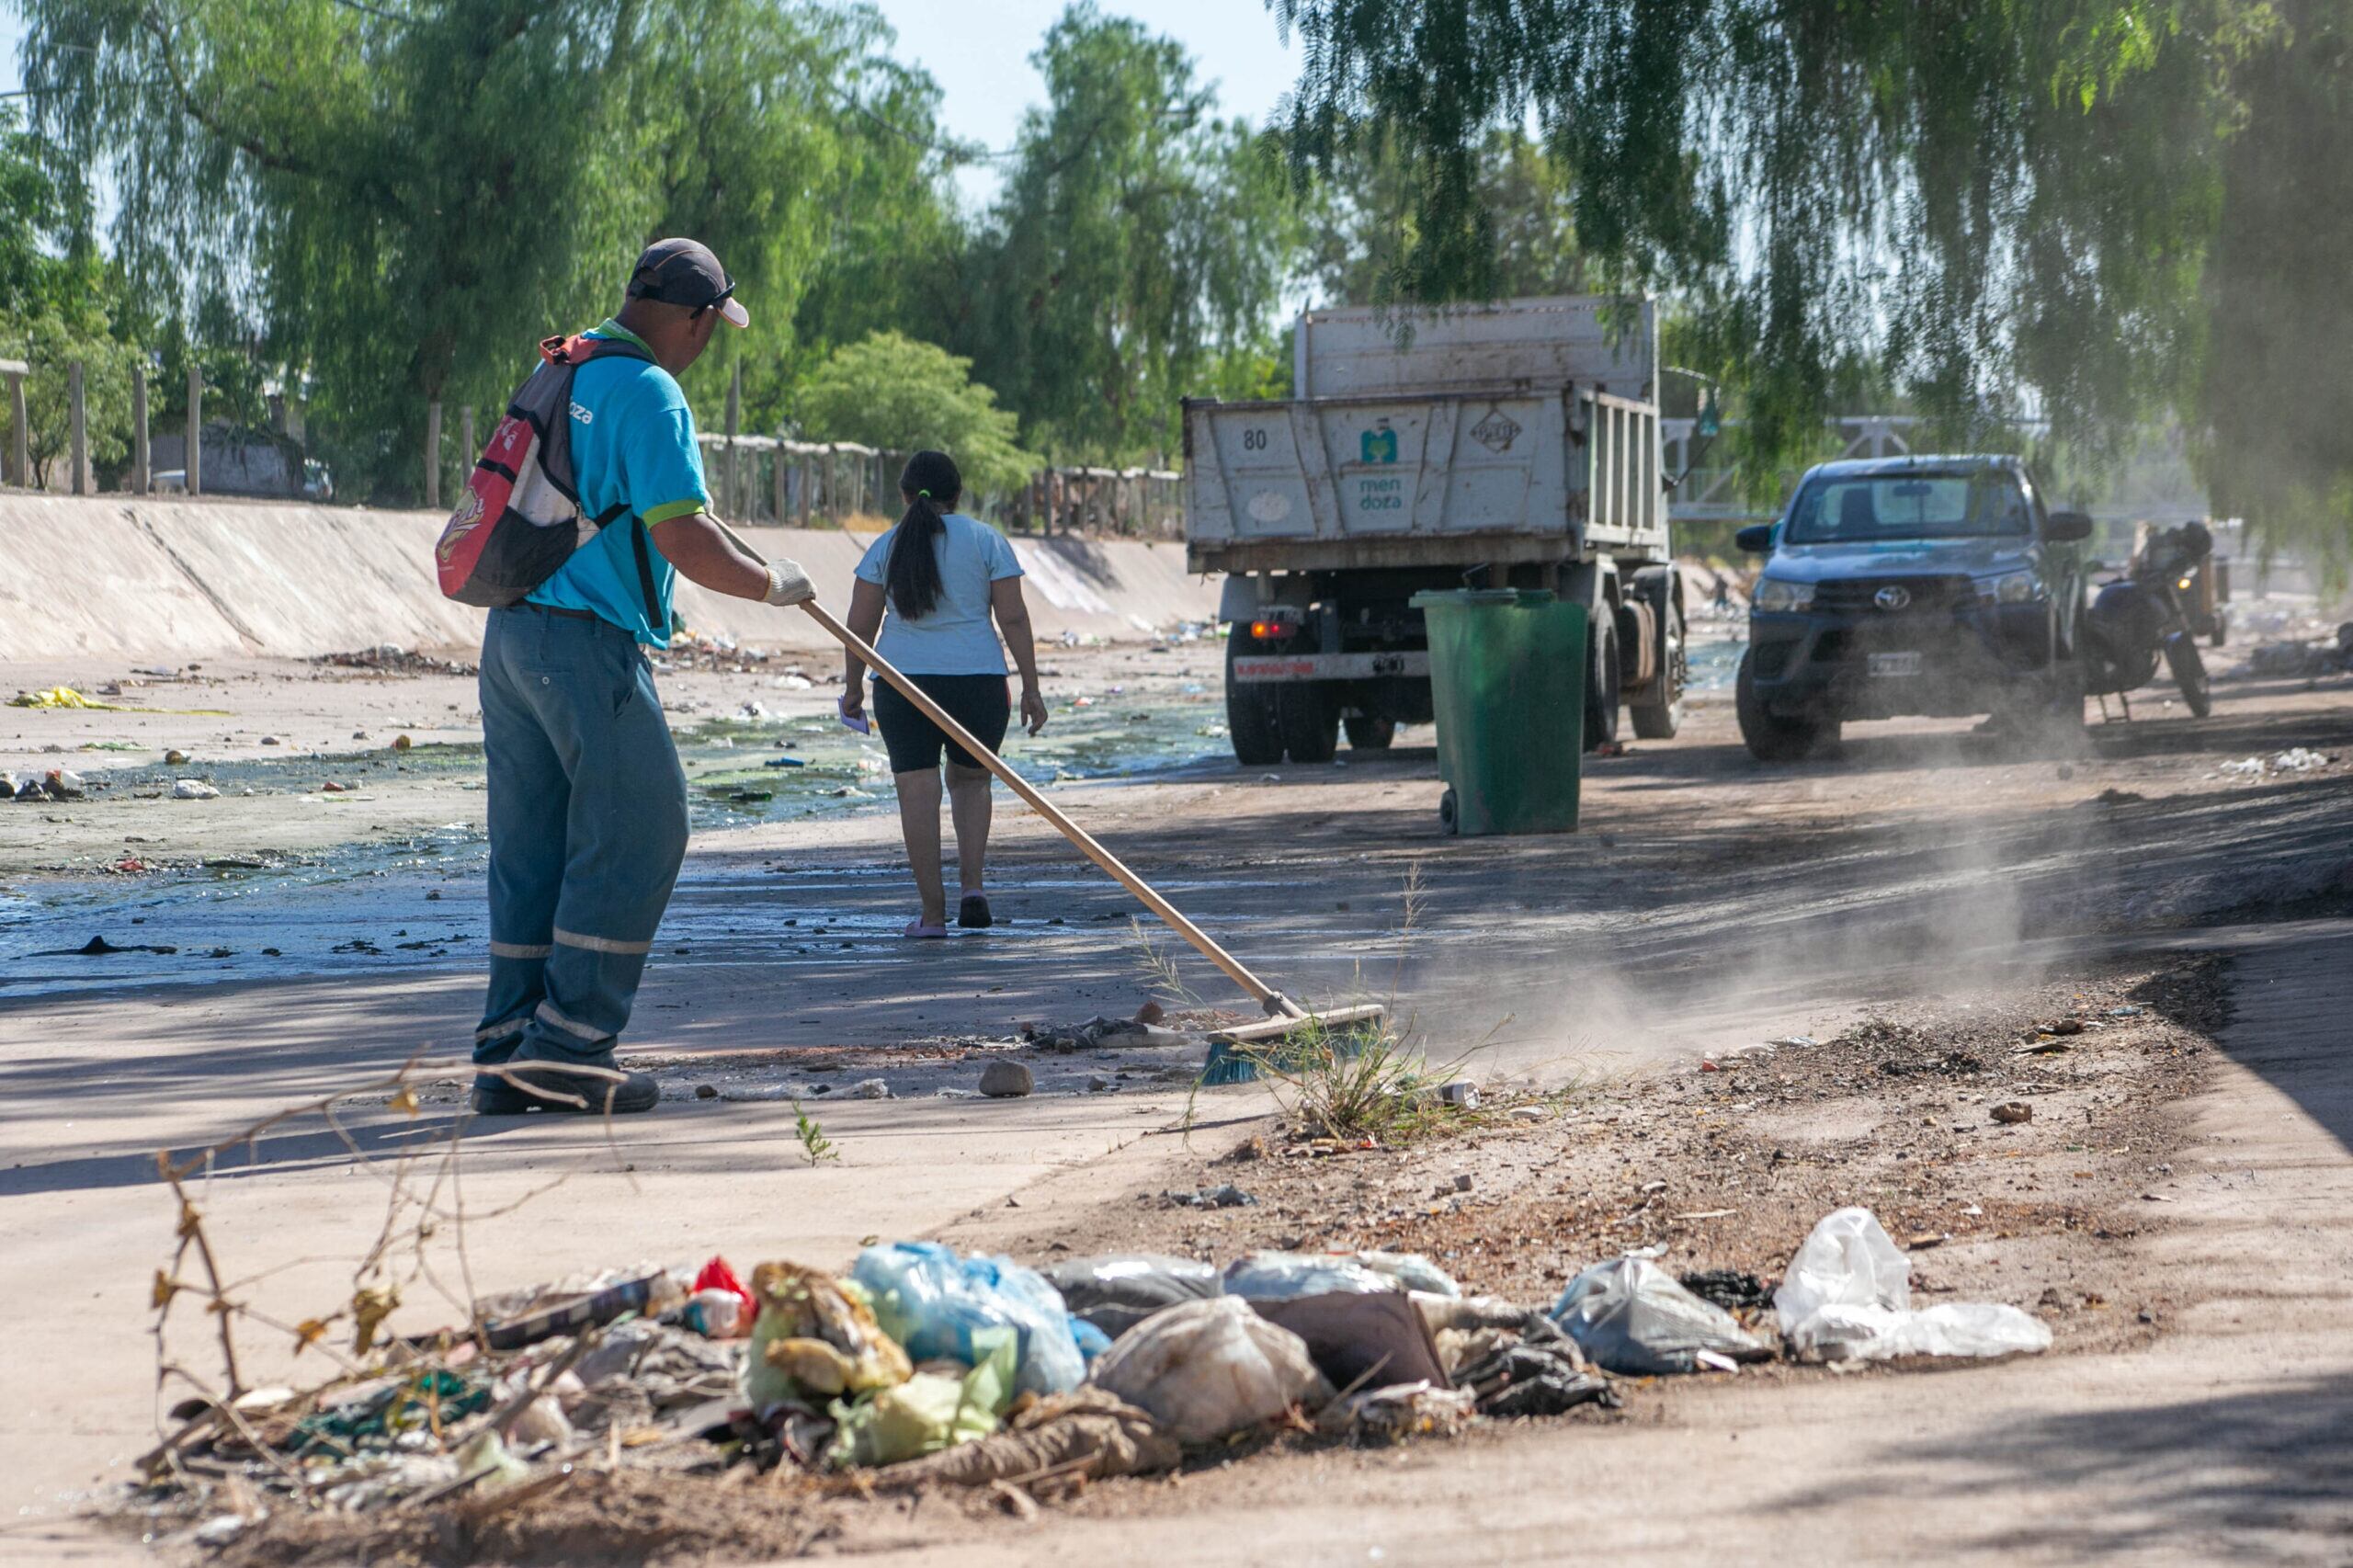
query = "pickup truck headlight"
{"x": 2012, "y": 588}
{"x": 1776, "y": 594}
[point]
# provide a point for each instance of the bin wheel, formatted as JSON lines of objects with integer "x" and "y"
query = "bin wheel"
{"x": 1602, "y": 675}
{"x": 1448, "y": 822}
{"x": 1370, "y": 731}
{"x": 1309, "y": 720}
{"x": 1250, "y": 710}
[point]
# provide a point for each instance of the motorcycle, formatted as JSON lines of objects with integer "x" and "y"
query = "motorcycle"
{"x": 2146, "y": 616}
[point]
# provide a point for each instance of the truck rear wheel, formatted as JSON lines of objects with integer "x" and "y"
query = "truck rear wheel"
{"x": 1658, "y": 721}
{"x": 1769, "y": 737}
{"x": 1250, "y": 710}
{"x": 1369, "y": 731}
{"x": 1601, "y": 679}
{"x": 1309, "y": 719}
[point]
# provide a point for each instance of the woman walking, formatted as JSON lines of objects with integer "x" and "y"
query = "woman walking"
{"x": 932, "y": 583}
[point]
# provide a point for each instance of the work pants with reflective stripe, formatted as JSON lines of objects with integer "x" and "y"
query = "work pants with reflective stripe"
{"x": 587, "y": 829}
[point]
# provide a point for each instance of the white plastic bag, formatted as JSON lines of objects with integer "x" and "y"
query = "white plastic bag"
{"x": 1206, "y": 1368}
{"x": 1848, "y": 1295}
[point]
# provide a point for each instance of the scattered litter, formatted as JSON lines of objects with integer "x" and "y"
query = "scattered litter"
{"x": 1534, "y": 1379}
{"x": 1528, "y": 1113}
{"x": 194, "y": 789}
{"x": 1006, "y": 1079}
{"x": 934, "y": 1304}
{"x": 395, "y": 660}
{"x": 1727, "y": 1288}
{"x": 98, "y": 947}
{"x": 784, "y": 762}
{"x": 1226, "y": 1196}
{"x": 174, "y": 758}
{"x": 1392, "y": 1415}
{"x": 1795, "y": 1041}
{"x": 1462, "y": 1094}
{"x": 1205, "y": 1369}
{"x": 2012, "y": 1111}
{"x": 871, "y": 1089}
{"x": 1108, "y": 1034}
{"x": 2128, "y": 1011}
{"x": 2299, "y": 759}
{"x": 1089, "y": 1434}
{"x": 1848, "y": 1296}
{"x": 1629, "y": 1316}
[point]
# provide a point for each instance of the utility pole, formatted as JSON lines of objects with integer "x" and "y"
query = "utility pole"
{"x": 78, "y": 417}
{"x": 141, "y": 476}
{"x": 195, "y": 469}
{"x": 433, "y": 455}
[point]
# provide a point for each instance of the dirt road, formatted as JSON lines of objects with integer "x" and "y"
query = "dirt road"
{"x": 1708, "y": 903}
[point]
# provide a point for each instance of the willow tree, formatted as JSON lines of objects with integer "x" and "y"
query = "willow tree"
{"x": 1137, "y": 253}
{"x": 405, "y": 198}
{"x": 2002, "y": 210}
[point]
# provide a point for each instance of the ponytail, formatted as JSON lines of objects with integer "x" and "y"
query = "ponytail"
{"x": 931, "y": 485}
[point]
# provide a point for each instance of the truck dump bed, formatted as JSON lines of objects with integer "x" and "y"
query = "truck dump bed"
{"x": 1519, "y": 432}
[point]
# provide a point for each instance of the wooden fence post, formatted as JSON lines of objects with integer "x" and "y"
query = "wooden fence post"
{"x": 194, "y": 468}
{"x": 141, "y": 474}
{"x": 433, "y": 455}
{"x": 467, "y": 450}
{"x": 77, "y": 418}
{"x": 20, "y": 464}
{"x": 731, "y": 481}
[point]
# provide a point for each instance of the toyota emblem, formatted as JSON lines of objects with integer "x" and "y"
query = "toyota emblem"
{"x": 1891, "y": 597}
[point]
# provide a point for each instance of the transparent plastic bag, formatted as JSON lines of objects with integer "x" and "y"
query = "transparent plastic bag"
{"x": 1631, "y": 1316}
{"x": 1285, "y": 1276}
{"x": 1411, "y": 1270}
{"x": 1848, "y": 1295}
{"x": 1206, "y": 1368}
{"x": 932, "y": 1303}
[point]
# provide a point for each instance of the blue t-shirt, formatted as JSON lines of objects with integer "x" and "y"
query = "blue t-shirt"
{"x": 633, "y": 443}
{"x": 956, "y": 638}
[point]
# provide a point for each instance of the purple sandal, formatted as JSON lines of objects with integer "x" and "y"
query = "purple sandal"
{"x": 918, "y": 930}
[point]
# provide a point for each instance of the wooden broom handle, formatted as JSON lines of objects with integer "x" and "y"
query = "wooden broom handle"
{"x": 1265, "y": 994}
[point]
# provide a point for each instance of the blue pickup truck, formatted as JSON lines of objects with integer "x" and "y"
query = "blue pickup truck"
{"x": 1920, "y": 585}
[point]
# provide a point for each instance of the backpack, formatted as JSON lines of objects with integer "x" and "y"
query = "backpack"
{"x": 520, "y": 517}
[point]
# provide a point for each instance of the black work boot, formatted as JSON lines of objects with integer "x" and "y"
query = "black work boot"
{"x": 496, "y": 1095}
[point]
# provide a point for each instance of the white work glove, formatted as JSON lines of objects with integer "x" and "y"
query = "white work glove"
{"x": 789, "y": 585}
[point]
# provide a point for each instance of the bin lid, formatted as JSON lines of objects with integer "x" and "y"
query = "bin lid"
{"x": 1526, "y": 598}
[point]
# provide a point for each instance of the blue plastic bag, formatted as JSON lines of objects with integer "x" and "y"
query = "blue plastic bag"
{"x": 931, "y": 1301}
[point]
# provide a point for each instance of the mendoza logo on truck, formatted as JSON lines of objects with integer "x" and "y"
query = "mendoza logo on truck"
{"x": 1378, "y": 444}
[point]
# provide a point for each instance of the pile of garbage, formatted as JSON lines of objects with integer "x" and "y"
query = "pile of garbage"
{"x": 389, "y": 658}
{"x": 920, "y": 1367}
{"x": 2308, "y": 658}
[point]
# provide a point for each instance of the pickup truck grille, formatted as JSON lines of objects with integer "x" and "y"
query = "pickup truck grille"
{"x": 1923, "y": 596}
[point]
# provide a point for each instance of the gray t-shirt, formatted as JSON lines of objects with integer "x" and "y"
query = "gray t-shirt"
{"x": 957, "y": 636}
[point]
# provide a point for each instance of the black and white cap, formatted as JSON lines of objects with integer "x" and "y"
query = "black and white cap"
{"x": 684, "y": 272}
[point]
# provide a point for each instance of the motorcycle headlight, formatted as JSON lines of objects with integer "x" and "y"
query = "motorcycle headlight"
{"x": 1774, "y": 594}
{"x": 2012, "y": 588}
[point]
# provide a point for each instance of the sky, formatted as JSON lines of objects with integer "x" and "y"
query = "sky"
{"x": 978, "y": 51}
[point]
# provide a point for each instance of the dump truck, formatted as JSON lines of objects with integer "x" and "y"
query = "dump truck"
{"x": 1506, "y": 444}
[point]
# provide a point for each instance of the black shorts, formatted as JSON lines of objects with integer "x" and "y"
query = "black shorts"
{"x": 983, "y": 704}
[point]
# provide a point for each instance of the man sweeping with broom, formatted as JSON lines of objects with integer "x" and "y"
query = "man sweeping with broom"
{"x": 587, "y": 802}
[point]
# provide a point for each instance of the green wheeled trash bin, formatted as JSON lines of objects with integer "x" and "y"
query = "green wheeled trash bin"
{"x": 1508, "y": 684}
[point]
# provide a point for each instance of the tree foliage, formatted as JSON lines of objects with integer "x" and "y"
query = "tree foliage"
{"x": 407, "y": 198}
{"x": 1137, "y": 254}
{"x": 893, "y": 392}
{"x": 2000, "y": 210}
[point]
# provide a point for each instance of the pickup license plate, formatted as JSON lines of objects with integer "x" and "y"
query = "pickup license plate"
{"x": 1906, "y": 663}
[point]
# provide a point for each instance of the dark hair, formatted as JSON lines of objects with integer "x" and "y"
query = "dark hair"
{"x": 931, "y": 485}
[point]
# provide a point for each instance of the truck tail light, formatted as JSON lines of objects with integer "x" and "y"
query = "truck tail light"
{"x": 1273, "y": 630}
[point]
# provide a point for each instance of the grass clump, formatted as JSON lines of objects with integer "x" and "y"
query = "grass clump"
{"x": 813, "y": 1141}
